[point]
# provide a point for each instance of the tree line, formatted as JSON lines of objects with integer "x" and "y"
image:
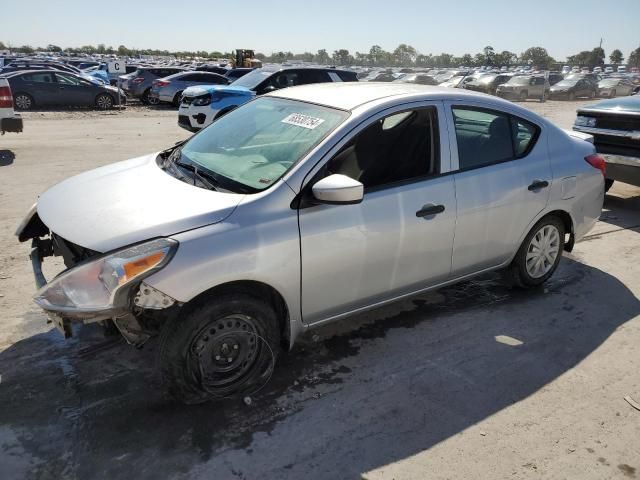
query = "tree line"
{"x": 402, "y": 56}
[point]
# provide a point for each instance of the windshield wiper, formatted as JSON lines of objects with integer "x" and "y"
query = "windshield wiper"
{"x": 206, "y": 179}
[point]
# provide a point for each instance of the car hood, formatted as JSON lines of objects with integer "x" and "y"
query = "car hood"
{"x": 129, "y": 202}
{"x": 622, "y": 104}
{"x": 218, "y": 91}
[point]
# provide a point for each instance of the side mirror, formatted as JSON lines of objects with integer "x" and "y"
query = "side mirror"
{"x": 338, "y": 189}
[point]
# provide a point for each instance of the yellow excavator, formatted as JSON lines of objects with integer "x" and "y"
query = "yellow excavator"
{"x": 245, "y": 59}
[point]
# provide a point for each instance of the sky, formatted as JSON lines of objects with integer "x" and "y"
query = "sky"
{"x": 563, "y": 27}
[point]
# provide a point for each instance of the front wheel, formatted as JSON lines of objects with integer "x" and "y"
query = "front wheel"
{"x": 104, "y": 101}
{"x": 540, "y": 253}
{"x": 225, "y": 347}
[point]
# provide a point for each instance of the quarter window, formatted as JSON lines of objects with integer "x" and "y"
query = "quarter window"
{"x": 400, "y": 147}
{"x": 486, "y": 137}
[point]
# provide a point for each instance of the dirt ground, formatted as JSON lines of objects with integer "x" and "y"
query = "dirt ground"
{"x": 473, "y": 381}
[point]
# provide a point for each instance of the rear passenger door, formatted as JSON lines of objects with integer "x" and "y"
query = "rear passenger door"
{"x": 502, "y": 179}
{"x": 42, "y": 87}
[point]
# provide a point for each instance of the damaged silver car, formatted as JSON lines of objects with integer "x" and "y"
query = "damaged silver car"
{"x": 302, "y": 207}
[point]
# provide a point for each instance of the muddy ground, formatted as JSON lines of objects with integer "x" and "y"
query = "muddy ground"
{"x": 472, "y": 381}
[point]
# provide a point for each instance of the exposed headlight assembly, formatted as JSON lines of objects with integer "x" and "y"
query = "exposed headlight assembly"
{"x": 102, "y": 284}
{"x": 582, "y": 121}
{"x": 202, "y": 100}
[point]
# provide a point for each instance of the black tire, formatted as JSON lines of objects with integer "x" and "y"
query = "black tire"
{"x": 523, "y": 96}
{"x": 23, "y": 101}
{"x": 104, "y": 101}
{"x": 518, "y": 272}
{"x": 147, "y": 100}
{"x": 176, "y": 99}
{"x": 608, "y": 183}
{"x": 194, "y": 349}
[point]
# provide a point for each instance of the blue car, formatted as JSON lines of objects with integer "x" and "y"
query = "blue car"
{"x": 201, "y": 105}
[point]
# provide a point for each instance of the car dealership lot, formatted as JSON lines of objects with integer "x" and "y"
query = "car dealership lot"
{"x": 472, "y": 381}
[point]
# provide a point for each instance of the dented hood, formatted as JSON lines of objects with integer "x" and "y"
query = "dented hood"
{"x": 129, "y": 202}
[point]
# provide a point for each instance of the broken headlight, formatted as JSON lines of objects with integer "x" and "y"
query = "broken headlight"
{"x": 102, "y": 283}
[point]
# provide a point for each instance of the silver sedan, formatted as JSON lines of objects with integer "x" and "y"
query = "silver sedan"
{"x": 169, "y": 89}
{"x": 303, "y": 207}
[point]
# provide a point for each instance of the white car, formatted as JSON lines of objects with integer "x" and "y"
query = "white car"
{"x": 10, "y": 121}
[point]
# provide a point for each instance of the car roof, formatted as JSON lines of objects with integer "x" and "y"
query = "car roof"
{"x": 279, "y": 68}
{"x": 349, "y": 95}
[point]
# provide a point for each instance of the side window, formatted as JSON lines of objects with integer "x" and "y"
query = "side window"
{"x": 524, "y": 135}
{"x": 486, "y": 137}
{"x": 66, "y": 79}
{"x": 400, "y": 147}
{"x": 313, "y": 76}
{"x": 38, "y": 78}
{"x": 347, "y": 76}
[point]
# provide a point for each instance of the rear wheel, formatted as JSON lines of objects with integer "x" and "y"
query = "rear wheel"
{"x": 223, "y": 348}
{"x": 540, "y": 253}
{"x": 176, "y": 99}
{"x": 23, "y": 101}
{"x": 147, "y": 99}
{"x": 104, "y": 101}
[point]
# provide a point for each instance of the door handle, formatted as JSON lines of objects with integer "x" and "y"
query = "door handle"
{"x": 537, "y": 185}
{"x": 430, "y": 209}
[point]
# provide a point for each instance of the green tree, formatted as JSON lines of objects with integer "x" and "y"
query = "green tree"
{"x": 376, "y": 55}
{"x": 53, "y": 48}
{"x": 443, "y": 60}
{"x": 538, "y": 57}
{"x": 597, "y": 57}
{"x": 3, "y": 46}
{"x": 616, "y": 57}
{"x": 404, "y": 55}
{"x": 25, "y": 49}
{"x": 322, "y": 57}
{"x": 123, "y": 51}
{"x": 505, "y": 58}
{"x": 424, "y": 60}
{"x": 342, "y": 57}
{"x": 489, "y": 54}
{"x": 466, "y": 60}
{"x": 634, "y": 58}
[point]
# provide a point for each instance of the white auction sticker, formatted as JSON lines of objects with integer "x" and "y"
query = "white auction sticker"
{"x": 303, "y": 121}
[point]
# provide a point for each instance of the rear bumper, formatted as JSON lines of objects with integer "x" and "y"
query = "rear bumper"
{"x": 13, "y": 124}
{"x": 623, "y": 168}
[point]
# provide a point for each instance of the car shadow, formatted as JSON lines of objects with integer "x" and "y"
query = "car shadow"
{"x": 622, "y": 211}
{"x": 353, "y": 396}
{"x": 6, "y": 157}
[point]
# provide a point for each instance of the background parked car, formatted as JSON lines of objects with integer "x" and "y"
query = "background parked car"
{"x": 614, "y": 87}
{"x": 169, "y": 89}
{"x": 524, "y": 87}
{"x": 613, "y": 123}
{"x": 487, "y": 83}
{"x": 236, "y": 73}
{"x": 212, "y": 69}
{"x": 419, "y": 78}
{"x": 138, "y": 84}
{"x": 200, "y": 106}
{"x": 9, "y": 120}
{"x": 570, "y": 89}
{"x": 54, "y": 88}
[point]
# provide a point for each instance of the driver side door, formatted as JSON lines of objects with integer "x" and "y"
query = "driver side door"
{"x": 399, "y": 239}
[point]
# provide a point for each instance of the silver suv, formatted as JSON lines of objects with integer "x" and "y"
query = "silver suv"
{"x": 302, "y": 207}
{"x": 524, "y": 87}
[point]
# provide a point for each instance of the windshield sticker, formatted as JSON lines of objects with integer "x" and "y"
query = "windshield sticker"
{"x": 303, "y": 121}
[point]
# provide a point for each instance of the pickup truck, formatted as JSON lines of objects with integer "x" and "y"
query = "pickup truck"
{"x": 9, "y": 120}
{"x": 615, "y": 126}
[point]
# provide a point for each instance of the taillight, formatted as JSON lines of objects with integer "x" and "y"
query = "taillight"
{"x": 138, "y": 80}
{"x": 161, "y": 83}
{"x": 6, "y": 99}
{"x": 596, "y": 161}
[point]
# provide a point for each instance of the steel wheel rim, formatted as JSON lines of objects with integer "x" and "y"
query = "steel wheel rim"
{"x": 542, "y": 252}
{"x": 104, "y": 101}
{"x": 225, "y": 351}
{"x": 23, "y": 102}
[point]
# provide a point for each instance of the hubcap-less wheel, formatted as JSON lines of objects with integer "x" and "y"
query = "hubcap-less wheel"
{"x": 225, "y": 351}
{"x": 104, "y": 102}
{"x": 23, "y": 102}
{"x": 542, "y": 251}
